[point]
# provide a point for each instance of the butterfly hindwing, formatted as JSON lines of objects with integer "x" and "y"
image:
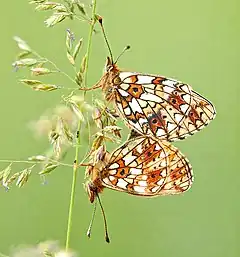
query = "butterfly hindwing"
{"x": 199, "y": 116}
{"x": 146, "y": 167}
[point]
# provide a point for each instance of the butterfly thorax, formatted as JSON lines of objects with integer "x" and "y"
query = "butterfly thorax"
{"x": 94, "y": 184}
{"x": 109, "y": 81}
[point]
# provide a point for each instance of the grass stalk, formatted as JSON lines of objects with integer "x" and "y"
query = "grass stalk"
{"x": 78, "y": 141}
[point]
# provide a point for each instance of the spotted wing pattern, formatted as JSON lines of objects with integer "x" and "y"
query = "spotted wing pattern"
{"x": 200, "y": 114}
{"x": 146, "y": 167}
{"x": 163, "y": 107}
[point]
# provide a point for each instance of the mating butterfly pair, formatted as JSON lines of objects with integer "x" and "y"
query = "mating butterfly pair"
{"x": 160, "y": 110}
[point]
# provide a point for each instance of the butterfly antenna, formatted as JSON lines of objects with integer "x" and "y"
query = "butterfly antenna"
{"x": 100, "y": 20}
{"x": 89, "y": 231}
{"x": 123, "y": 51}
{"x": 104, "y": 220}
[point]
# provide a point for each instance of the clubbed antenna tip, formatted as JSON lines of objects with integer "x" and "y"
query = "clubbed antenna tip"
{"x": 107, "y": 239}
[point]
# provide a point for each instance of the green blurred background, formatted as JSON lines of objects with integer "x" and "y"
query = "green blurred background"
{"x": 194, "y": 41}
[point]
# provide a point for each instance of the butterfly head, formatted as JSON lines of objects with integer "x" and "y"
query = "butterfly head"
{"x": 110, "y": 66}
{"x": 110, "y": 79}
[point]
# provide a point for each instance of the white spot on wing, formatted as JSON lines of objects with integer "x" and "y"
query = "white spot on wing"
{"x": 164, "y": 173}
{"x": 128, "y": 159}
{"x": 123, "y": 93}
{"x": 160, "y": 182}
{"x": 162, "y": 155}
{"x": 142, "y": 121}
{"x": 160, "y": 132}
{"x": 185, "y": 87}
{"x": 124, "y": 86}
{"x": 127, "y": 111}
{"x": 155, "y": 189}
{"x": 171, "y": 126}
{"x": 168, "y": 89}
{"x": 122, "y": 183}
{"x": 178, "y": 117}
{"x": 119, "y": 106}
{"x": 112, "y": 172}
{"x": 142, "y": 103}
{"x": 145, "y": 79}
{"x": 151, "y": 97}
{"x": 142, "y": 183}
{"x": 124, "y": 76}
{"x": 170, "y": 82}
{"x": 139, "y": 189}
{"x": 187, "y": 98}
{"x": 111, "y": 178}
{"x": 135, "y": 171}
{"x": 114, "y": 166}
{"x": 107, "y": 181}
{"x": 135, "y": 106}
{"x": 184, "y": 107}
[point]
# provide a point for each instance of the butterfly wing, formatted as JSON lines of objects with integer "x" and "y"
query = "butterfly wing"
{"x": 146, "y": 167}
{"x": 161, "y": 106}
{"x": 199, "y": 116}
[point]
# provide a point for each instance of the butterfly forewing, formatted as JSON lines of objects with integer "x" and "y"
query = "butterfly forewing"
{"x": 166, "y": 108}
{"x": 146, "y": 167}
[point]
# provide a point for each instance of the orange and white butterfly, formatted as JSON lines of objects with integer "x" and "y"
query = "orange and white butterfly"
{"x": 142, "y": 166}
{"x": 155, "y": 105}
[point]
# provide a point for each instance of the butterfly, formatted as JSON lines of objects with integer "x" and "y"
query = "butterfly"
{"x": 142, "y": 166}
{"x": 154, "y": 105}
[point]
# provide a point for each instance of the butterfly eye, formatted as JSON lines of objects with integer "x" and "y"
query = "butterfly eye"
{"x": 117, "y": 80}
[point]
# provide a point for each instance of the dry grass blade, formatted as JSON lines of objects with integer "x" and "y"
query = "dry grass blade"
{"x": 77, "y": 48}
{"x": 49, "y": 167}
{"x": 22, "y": 44}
